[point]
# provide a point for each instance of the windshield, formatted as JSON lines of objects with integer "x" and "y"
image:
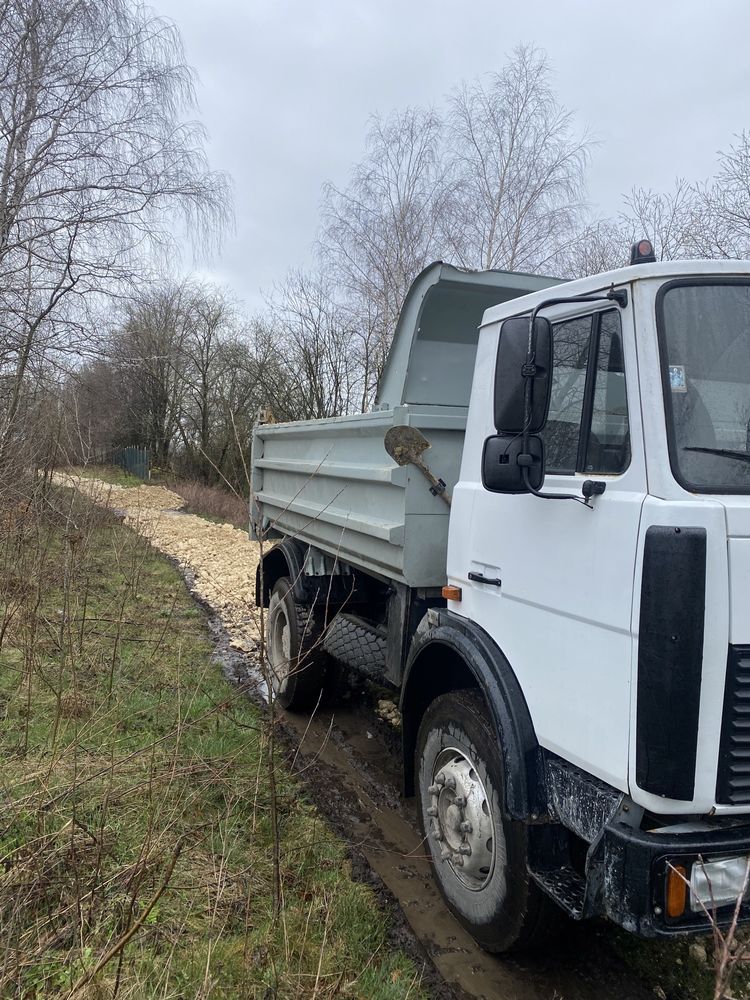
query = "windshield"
{"x": 705, "y": 342}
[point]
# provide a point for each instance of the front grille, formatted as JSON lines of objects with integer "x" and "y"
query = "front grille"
{"x": 733, "y": 781}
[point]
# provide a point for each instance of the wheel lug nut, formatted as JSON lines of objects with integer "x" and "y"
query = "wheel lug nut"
{"x": 437, "y": 835}
{"x": 440, "y": 779}
{"x": 458, "y": 861}
{"x": 434, "y": 789}
{"x": 450, "y": 781}
{"x": 460, "y": 801}
{"x": 432, "y": 811}
{"x": 465, "y": 827}
{"x": 445, "y": 854}
{"x": 464, "y": 849}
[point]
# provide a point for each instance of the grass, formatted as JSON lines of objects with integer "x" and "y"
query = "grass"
{"x": 137, "y": 835}
{"x": 111, "y": 474}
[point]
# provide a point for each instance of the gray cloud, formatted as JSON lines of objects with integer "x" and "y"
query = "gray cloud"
{"x": 286, "y": 89}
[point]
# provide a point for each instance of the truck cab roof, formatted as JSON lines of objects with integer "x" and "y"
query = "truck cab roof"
{"x": 627, "y": 275}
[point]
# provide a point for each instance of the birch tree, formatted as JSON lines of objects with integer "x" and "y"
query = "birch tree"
{"x": 95, "y": 158}
{"x": 380, "y": 230}
{"x": 518, "y": 169}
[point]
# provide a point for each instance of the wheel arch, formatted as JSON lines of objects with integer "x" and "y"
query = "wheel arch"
{"x": 455, "y": 653}
{"x": 286, "y": 558}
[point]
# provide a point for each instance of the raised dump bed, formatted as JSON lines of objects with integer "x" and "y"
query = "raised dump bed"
{"x": 332, "y": 484}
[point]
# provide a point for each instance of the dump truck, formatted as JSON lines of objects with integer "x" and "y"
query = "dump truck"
{"x": 539, "y": 537}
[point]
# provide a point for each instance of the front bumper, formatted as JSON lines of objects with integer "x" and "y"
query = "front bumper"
{"x": 627, "y": 876}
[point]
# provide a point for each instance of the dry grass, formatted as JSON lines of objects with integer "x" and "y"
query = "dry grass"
{"x": 212, "y": 502}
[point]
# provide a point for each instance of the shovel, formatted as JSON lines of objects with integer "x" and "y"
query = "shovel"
{"x": 406, "y": 445}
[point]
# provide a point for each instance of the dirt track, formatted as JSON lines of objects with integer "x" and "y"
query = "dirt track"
{"x": 349, "y": 760}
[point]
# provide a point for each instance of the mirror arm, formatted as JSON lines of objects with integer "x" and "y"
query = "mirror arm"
{"x": 549, "y": 496}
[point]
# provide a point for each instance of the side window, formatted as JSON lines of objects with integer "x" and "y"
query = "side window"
{"x": 571, "y": 342}
{"x": 608, "y": 449}
{"x": 587, "y": 428}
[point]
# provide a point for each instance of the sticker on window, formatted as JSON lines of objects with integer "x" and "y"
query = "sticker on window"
{"x": 677, "y": 381}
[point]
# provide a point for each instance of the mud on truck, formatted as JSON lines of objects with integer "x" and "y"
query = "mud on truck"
{"x": 540, "y": 538}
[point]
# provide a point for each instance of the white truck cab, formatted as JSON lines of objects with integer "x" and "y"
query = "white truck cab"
{"x": 574, "y": 668}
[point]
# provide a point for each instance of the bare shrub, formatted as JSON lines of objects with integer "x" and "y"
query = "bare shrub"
{"x": 212, "y": 501}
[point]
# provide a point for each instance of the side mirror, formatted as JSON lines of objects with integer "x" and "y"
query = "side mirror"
{"x": 501, "y": 470}
{"x": 510, "y": 382}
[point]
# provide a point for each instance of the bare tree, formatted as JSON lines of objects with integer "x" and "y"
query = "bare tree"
{"x": 149, "y": 354}
{"x": 723, "y": 215}
{"x": 381, "y": 230}
{"x": 316, "y": 340}
{"x": 209, "y": 320}
{"x": 95, "y": 157}
{"x": 518, "y": 169}
{"x": 599, "y": 246}
{"x": 668, "y": 219}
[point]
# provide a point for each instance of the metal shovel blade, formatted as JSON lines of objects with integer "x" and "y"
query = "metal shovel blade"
{"x": 405, "y": 445}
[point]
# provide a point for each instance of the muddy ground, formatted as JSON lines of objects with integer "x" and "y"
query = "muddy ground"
{"x": 348, "y": 758}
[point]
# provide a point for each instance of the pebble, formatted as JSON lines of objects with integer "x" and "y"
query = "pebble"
{"x": 698, "y": 953}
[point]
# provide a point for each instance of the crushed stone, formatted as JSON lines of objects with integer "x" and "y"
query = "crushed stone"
{"x": 132, "y": 498}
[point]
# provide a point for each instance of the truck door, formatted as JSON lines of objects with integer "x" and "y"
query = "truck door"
{"x": 562, "y": 610}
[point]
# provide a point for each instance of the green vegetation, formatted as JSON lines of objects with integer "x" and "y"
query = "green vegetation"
{"x": 140, "y": 855}
{"x": 111, "y": 474}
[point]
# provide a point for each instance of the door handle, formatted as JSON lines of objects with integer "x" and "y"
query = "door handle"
{"x": 492, "y": 581}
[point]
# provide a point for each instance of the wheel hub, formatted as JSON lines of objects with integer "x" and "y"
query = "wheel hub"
{"x": 460, "y": 818}
{"x": 280, "y": 649}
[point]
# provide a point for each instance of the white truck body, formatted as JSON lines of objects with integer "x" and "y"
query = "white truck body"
{"x": 609, "y": 632}
{"x": 581, "y": 603}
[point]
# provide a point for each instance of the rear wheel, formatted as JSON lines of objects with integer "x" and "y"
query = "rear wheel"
{"x": 479, "y": 856}
{"x": 297, "y": 663}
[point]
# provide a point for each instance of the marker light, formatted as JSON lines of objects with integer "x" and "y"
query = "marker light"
{"x": 452, "y": 593}
{"x": 676, "y": 890}
{"x": 642, "y": 252}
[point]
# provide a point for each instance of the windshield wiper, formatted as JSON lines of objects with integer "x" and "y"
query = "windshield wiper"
{"x": 743, "y": 456}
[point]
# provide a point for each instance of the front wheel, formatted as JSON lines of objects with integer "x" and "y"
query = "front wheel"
{"x": 480, "y": 858}
{"x": 297, "y": 663}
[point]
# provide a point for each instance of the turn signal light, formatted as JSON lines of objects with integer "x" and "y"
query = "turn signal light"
{"x": 452, "y": 593}
{"x": 676, "y": 890}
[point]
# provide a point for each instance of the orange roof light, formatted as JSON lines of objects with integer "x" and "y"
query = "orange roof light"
{"x": 642, "y": 252}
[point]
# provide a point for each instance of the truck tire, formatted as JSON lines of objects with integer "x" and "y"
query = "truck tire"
{"x": 297, "y": 663}
{"x": 479, "y": 856}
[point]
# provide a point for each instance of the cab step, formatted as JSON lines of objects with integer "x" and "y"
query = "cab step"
{"x": 566, "y": 887}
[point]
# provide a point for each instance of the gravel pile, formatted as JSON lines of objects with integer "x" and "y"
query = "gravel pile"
{"x": 222, "y": 559}
{"x": 122, "y": 497}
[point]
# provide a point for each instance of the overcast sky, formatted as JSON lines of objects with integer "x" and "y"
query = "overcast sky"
{"x": 286, "y": 88}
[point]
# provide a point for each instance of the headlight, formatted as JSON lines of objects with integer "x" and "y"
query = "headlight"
{"x": 717, "y": 883}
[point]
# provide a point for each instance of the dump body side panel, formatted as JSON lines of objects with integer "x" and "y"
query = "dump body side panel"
{"x": 331, "y": 484}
